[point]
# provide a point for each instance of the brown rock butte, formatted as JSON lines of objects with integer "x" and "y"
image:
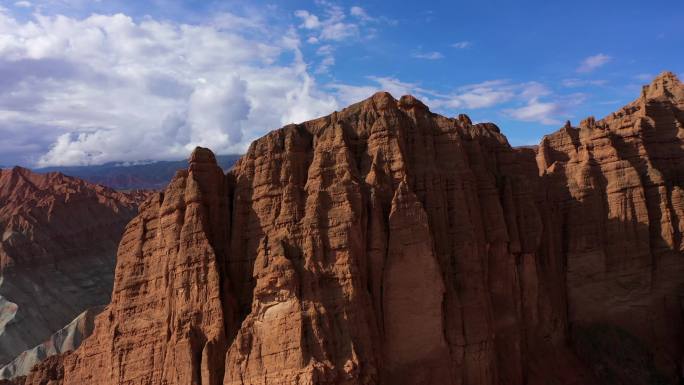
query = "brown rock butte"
{"x": 57, "y": 252}
{"x": 385, "y": 244}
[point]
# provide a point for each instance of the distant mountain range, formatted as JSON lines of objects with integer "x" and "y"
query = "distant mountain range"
{"x": 124, "y": 176}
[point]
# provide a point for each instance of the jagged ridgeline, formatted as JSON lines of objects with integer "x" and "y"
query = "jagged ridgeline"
{"x": 57, "y": 257}
{"x": 385, "y": 244}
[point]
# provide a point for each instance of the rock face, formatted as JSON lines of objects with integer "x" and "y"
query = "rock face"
{"x": 64, "y": 340}
{"x": 618, "y": 183}
{"x": 57, "y": 252}
{"x": 385, "y": 244}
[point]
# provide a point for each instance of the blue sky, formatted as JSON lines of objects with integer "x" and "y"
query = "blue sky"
{"x": 98, "y": 81}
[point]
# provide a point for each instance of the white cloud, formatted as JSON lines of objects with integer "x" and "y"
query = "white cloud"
{"x": 333, "y": 26}
{"x": 23, "y": 4}
{"x": 593, "y": 62}
{"x": 482, "y": 95}
{"x": 528, "y": 98}
{"x": 528, "y": 101}
{"x": 331, "y": 23}
{"x": 328, "y": 58}
{"x": 574, "y": 82}
{"x": 107, "y": 88}
{"x": 339, "y": 31}
{"x": 492, "y": 93}
{"x": 431, "y": 55}
{"x": 531, "y": 90}
{"x": 348, "y": 94}
{"x": 546, "y": 112}
{"x": 396, "y": 86}
{"x": 462, "y": 44}
{"x": 309, "y": 21}
{"x": 360, "y": 13}
{"x": 218, "y": 110}
{"x": 224, "y": 20}
{"x": 536, "y": 111}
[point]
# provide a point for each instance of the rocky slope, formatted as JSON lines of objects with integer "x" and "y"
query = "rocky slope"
{"x": 385, "y": 244}
{"x": 57, "y": 252}
{"x": 64, "y": 340}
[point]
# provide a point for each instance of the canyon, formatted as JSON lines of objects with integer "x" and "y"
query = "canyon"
{"x": 57, "y": 257}
{"x": 386, "y": 244}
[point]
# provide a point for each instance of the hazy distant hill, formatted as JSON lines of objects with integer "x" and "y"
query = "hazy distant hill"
{"x": 123, "y": 176}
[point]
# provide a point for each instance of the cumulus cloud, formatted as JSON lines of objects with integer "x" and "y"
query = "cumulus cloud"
{"x": 309, "y": 21}
{"x": 593, "y": 62}
{"x": 105, "y": 88}
{"x": 110, "y": 88}
{"x": 23, "y": 4}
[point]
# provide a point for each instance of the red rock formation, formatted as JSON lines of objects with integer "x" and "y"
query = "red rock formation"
{"x": 57, "y": 252}
{"x": 385, "y": 244}
{"x": 166, "y": 322}
{"x": 617, "y": 182}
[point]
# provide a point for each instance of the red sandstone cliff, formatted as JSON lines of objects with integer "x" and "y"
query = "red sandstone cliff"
{"x": 57, "y": 253}
{"x": 385, "y": 244}
{"x": 618, "y": 184}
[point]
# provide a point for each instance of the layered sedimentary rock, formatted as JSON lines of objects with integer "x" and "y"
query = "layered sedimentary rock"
{"x": 64, "y": 340}
{"x": 166, "y": 322}
{"x": 618, "y": 184}
{"x": 385, "y": 244}
{"x": 57, "y": 252}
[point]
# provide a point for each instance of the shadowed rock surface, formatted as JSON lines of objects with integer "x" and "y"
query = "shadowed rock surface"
{"x": 57, "y": 252}
{"x": 66, "y": 339}
{"x": 385, "y": 244}
{"x": 619, "y": 184}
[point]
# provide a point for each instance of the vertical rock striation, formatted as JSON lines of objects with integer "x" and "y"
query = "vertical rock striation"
{"x": 166, "y": 321}
{"x": 386, "y": 244}
{"x": 617, "y": 183}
